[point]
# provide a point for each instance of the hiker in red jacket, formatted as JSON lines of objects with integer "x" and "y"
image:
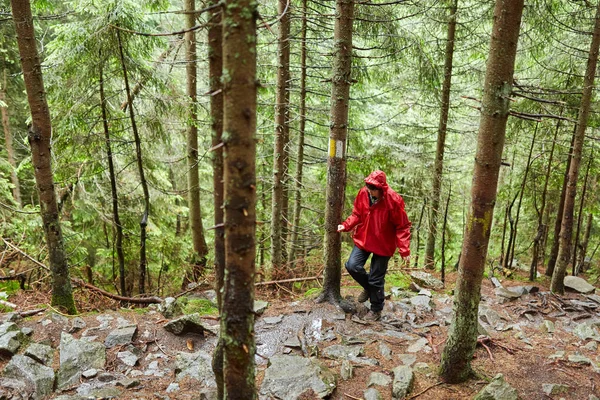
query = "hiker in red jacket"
{"x": 381, "y": 225}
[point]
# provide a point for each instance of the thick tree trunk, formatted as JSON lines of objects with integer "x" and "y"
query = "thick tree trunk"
{"x": 294, "y": 242}
{"x": 441, "y": 139}
{"x": 462, "y": 337}
{"x": 40, "y": 134}
{"x": 140, "y": 166}
{"x": 282, "y": 133}
{"x": 215, "y": 71}
{"x": 118, "y": 228}
{"x": 566, "y": 230}
{"x": 8, "y": 143}
{"x": 198, "y": 240}
{"x": 584, "y": 245}
{"x": 239, "y": 152}
{"x": 559, "y": 213}
{"x": 336, "y": 160}
{"x": 580, "y": 215}
{"x": 538, "y": 240}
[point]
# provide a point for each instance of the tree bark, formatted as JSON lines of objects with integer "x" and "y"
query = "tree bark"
{"x": 282, "y": 133}
{"x": 443, "y": 268}
{"x": 40, "y": 134}
{"x": 140, "y": 166}
{"x": 294, "y": 242}
{"x": 441, "y": 139}
{"x": 336, "y": 160}
{"x": 118, "y": 228}
{"x": 8, "y": 143}
{"x": 566, "y": 230}
{"x": 198, "y": 240}
{"x": 462, "y": 337}
{"x": 584, "y": 244}
{"x": 239, "y": 152}
{"x": 580, "y": 214}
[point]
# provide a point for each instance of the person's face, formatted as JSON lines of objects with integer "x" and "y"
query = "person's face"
{"x": 374, "y": 191}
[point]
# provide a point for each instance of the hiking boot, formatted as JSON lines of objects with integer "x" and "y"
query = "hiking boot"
{"x": 364, "y": 296}
{"x": 372, "y": 316}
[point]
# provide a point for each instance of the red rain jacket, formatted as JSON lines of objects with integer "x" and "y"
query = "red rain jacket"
{"x": 383, "y": 226}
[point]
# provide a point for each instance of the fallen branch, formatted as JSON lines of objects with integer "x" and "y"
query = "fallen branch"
{"x": 26, "y": 255}
{"x": 30, "y": 313}
{"x": 424, "y": 390}
{"x": 19, "y": 277}
{"x": 486, "y": 340}
{"x": 8, "y": 304}
{"x": 134, "y": 300}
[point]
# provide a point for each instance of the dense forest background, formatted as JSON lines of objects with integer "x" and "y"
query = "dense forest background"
{"x": 398, "y": 59}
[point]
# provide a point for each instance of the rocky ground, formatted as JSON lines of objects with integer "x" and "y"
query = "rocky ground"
{"x": 534, "y": 345}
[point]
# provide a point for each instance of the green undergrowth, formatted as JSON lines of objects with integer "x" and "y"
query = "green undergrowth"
{"x": 200, "y": 306}
{"x": 9, "y": 287}
{"x": 397, "y": 279}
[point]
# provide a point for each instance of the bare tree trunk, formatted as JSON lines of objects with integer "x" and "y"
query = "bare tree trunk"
{"x": 559, "y": 214}
{"x": 40, "y": 133}
{"x": 584, "y": 244}
{"x": 239, "y": 151}
{"x": 444, "y": 234}
{"x": 294, "y": 243}
{"x": 198, "y": 240}
{"x": 8, "y": 143}
{"x": 538, "y": 240}
{"x": 418, "y": 235}
{"x": 336, "y": 160}
{"x": 579, "y": 215}
{"x": 462, "y": 338}
{"x": 509, "y": 246}
{"x": 441, "y": 139}
{"x": 566, "y": 230}
{"x": 113, "y": 186}
{"x": 140, "y": 166}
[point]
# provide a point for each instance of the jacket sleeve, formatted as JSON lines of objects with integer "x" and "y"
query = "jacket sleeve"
{"x": 354, "y": 218}
{"x": 402, "y": 229}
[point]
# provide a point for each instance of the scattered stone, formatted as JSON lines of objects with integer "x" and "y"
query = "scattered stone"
{"x": 120, "y": 336}
{"x": 105, "y": 321}
{"x": 594, "y": 297}
{"x": 547, "y": 326}
{"x": 496, "y": 282}
{"x": 385, "y": 351}
{"x": 76, "y": 356}
{"x": 586, "y": 331}
{"x": 379, "y": 379}
{"x": 372, "y": 394}
{"x": 403, "y": 381}
{"x": 293, "y": 342}
{"x": 420, "y": 345}
{"x": 505, "y": 295}
{"x": 77, "y": 324}
{"x": 128, "y": 358}
{"x": 11, "y": 338}
{"x": 425, "y": 292}
{"x": 559, "y": 355}
{"x": 497, "y": 389}
{"x": 489, "y": 316}
{"x": 287, "y": 377}
{"x": 128, "y": 383}
{"x": 173, "y": 387}
{"x": 40, "y": 353}
{"x": 579, "y": 359}
{"x": 190, "y": 323}
{"x": 210, "y": 295}
{"x": 105, "y": 392}
{"x": 591, "y": 346}
{"x": 407, "y": 359}
{"x": 170, "y": 308}
{"x": 273, "y": 320}
{"x": 106, "y": 377}
{"x": 90, "y": 373}
{"x": 552, "y": 389}
{"x": 426, "y": 280}
{"x": 27, "y": 331}
{"x": 39, "y": 376}
{"x": 578, "y": 284}
{"x": 59, "y": 319}
{"x": 260, "y": 306}
{"x": 351, "y": 353}
{"x": 422, "y": 367}
{"x": 196, "y": 366}
{"x": 423, "y": 302}
{"x": 346, "y": 370}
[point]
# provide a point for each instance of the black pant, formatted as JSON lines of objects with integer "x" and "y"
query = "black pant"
{"x": 374, "y": 281}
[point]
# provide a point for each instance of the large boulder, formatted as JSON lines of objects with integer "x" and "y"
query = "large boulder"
{"x": 426, "y": 280}
{"x": 11, "y": 338}
{"x": 403, "y": 381}
{"x": 32, "y": 373}
{"x": 288, "y": 377}
{"x": 497, "y": 389}
{"x": 578, "y": 284}
{"x": 196, "y": 366}
{"x": 77, "y": 356}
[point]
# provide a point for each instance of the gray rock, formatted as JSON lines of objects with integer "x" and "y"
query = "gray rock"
{"x": 591, "y": 346}
{"x": 547, "y": 326}
{"x": 497, "y": 389}
{"x": 196, "y": 366}
{"x": 552, "y": 389}
{"x": 346, "y": 370}
{"x": 190, "y": 323}
{"x": 594, "y": 297}
{"x": 407, "y": 359}
{"x": 15, "y": 389}
{"x": 77, "y": 324}
{"x": 27, "y": 330}
{"x": 423, "y": 302}
{"x": 105, "y": 393}
{"x": 90, "y": 373}
{"x": 403, "y": 381}
{"x": 496, "y": 282}
{"x": 506, "y": 293}
{"x": 559, "y": 355}
{"x": 210, "y": 295}
{"x": 76, "y": 356}
{"x": 585, "y": 331}
{"x": 422, "y": 367}
{"x": 11, "y": 317}
{"x": 173, "y": 387}
{"x": 293, "y": 342}
{"x": 273, "y": 320}
{"x": 372, "y": 394}
{"x": 578, "y": 284}
{"x": 170, "y": 308}
{"x": 39, "y": 376}
{"x": 378, "y": 379}
{"x": 579, "y": 359}
{"x": 106, "y": 377}
{"x": 128, "y": 383}
{"x": 59, "y": 319}
{"x": 287, "y": 377}
{"x": 11, "y": 339}
{"x": 351, "y": 353}
{"x": 420, "y": 345}
{"x": 260, "y": 306}
{"x": 128, "y": 358}
{"x": 120, "y": 336}
{"x": 426, "y": 280}
{"x": 40, "y": 353}
{"x": 385, "y": 351}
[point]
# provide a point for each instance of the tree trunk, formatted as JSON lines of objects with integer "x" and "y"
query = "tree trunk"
{"x": 294, "y": 242}
{"x": 282, "y": 132}
{"x": 8, "y": 143}
{"x": 584, "y": 244}
{"x": 215, "y": 71}
{"x": 336, "y": 160}
{"x": 441, "y": 139}
{"x": 118, "y": 228}
{"x": 40, "y": 133}
{"x": 566, "y": 230}
{"x": 418, "y": 235}
{"x": 559, "y": 214}
{"x": 538, "y": 240}
{"x": 140, "y": 166}
{"x": 198, "y": 240}
{"x": 462, "y": 336}
{"x": 239, "y": 152}
{"x": 580, "y": 214}
{"x": 443, "y": 276}
{"x": 509, "y": 246}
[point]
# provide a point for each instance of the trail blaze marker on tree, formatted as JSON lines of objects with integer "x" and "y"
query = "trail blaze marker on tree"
{"x": 336, "y": 148}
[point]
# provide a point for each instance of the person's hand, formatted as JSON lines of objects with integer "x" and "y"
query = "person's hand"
{"x": 340, "y": 228}
{"x": 406, "y": 259}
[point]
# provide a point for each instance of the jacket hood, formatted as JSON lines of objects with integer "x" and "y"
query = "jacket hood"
{"x": 377, "y": 178}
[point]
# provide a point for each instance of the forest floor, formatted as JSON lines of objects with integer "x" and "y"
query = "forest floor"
{"x": 523, "y": 355}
